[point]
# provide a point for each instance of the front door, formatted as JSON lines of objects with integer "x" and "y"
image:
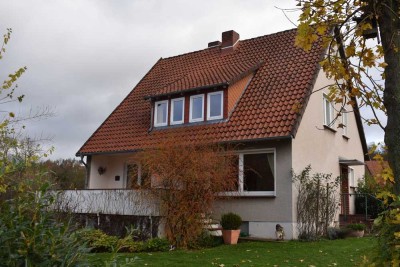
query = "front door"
{"x": 344, "y": 190}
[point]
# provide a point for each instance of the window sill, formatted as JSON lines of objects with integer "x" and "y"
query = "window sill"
{"x": 329, "y": 128}
{"x": 248, "y": 194}
{"x": 345, "y": 137}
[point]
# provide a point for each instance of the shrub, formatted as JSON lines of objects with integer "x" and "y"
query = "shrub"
{"x": 156, "y": 244}
{"x": 30, "y": 235}
{"x": 205, "y": 240}
{"x": 356, "y": 226}
{"x": 186, "y": 185}
{"x": 337, "y": 233}
{"x": 98, "y": 241}
{"x": 231, "y": 221}
{"x": 316, "y": 203}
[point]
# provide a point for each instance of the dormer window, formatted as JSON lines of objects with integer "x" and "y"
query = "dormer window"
{"x": 177, "y": 110}
{"x": 196, "y": 112}
{"x": 191, "y": 108}
{"x": 161, "y": 113}
{"x": 215, "y": 106}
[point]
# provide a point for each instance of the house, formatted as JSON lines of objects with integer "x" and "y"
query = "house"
{"x": 263, "y": 93}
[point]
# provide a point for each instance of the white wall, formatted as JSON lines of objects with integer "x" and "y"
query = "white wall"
{"x": 321, "y": 147}
{"x": 115, "y": 165}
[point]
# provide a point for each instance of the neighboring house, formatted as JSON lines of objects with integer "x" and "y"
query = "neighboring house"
{"x": 262, "y": 93}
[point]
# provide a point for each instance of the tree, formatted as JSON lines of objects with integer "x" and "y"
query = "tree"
{"x": 66, "y": 173}
{"x": 30, "y": 233}
{"x": 363, "y": 70}
{"x": 186, "y": 179}
{"x": 367, "y": 71}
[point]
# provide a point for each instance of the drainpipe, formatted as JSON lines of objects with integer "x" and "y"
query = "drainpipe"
{"x": 151, "y": 117}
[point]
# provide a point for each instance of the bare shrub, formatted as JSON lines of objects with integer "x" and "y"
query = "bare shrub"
{"x": 317, "y": 203}
{"x": 187, "y": 179}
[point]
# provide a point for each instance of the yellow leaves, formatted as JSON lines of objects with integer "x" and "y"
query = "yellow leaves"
{"x": 351, "y": 49}
{"x": 368, "y": 58}
{"x": 305, "y": 36}
{"x": 386, "y": 196}
{"x": 322, "y": 29}
{"x": 383, "y": 64}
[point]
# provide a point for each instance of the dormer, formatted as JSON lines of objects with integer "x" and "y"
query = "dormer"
{"x": 205, "y": 95}
{"x": 202, "y": 96}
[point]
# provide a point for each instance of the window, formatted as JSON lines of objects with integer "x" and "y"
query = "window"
{"x": 136, "y": 176}
{"x": 177, "y": 110}
{"x": 196, "y": 108}
{"x": 257, "y": 173}
{"x": 352, "y": 182}
{"x": 161, "y": 113}
{"x": 215, "y": 106}
{"x": 344, "y": 121}
{"x": 328, "y": 112}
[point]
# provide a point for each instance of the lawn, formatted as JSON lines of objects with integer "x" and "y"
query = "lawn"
{"x": 347, "y": 252}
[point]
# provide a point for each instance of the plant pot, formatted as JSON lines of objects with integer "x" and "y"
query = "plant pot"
{"x": 356, "y": 233}
{"x": 230, "y": 236}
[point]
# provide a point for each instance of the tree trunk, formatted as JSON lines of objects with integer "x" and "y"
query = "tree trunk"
{"x": 389, "y": 25}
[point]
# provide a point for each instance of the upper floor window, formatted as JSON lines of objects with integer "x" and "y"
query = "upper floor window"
{"x": 177, "y": 110}
{"x": 215, "y": 105}
{"x": 328, "y": 112}
{"x": 161, "y": 113}
{"x": 344, "y": 121}
{"x": 174, "y": 111}
{"x": 196, "y": 112}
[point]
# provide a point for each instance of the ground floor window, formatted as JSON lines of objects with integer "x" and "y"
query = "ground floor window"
{"x": 257, "y": 172}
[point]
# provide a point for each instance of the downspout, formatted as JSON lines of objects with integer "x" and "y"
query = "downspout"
{"x": 151, "y": 117}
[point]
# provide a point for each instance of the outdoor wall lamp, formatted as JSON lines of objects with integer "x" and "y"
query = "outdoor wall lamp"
{"x": 101, "y": 170}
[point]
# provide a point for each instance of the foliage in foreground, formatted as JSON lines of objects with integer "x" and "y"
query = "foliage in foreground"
{"x": 30, "y": 234}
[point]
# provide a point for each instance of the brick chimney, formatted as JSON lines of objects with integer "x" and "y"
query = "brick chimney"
{"x": 230, "y": 39}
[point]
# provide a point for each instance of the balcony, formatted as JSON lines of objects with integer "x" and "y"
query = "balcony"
{"x": 107, "y": 201}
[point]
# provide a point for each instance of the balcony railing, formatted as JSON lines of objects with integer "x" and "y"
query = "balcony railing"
{"x": 106, "y": 201}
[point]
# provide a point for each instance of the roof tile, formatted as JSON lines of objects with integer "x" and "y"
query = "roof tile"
{"x": 283, "y": 74}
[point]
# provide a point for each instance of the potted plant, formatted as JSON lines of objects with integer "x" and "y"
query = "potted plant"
{"x": 231, "y": 223}
{"x": 356, "y": 229}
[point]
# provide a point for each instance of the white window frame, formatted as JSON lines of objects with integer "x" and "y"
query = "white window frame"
{"x": 345, "y": 121}
{"x": 172, "y": 122}
{"x": 155, "y": 114}
{"x": 191, "y": 108}
{"x": 330, "y": 110}
{"x": 351, "y": 177}
{"x": 241, "y": 191}
{"x": 209, "y": 106}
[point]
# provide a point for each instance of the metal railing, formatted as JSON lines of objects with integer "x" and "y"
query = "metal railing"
{"x": 364, "y": 204}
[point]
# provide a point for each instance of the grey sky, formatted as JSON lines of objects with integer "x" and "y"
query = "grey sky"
{"x": 84, "y": 57}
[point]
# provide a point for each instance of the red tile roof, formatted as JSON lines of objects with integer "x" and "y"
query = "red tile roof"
{"x": 375, "y": 167}
{"x": 284, "y": 76}
{"x": 210, "y": 77}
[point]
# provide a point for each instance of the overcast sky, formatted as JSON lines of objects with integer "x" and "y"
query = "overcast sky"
{"x": 84, "y": 57}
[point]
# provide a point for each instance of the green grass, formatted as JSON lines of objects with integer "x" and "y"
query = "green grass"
{"x": 347, "y": 252}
